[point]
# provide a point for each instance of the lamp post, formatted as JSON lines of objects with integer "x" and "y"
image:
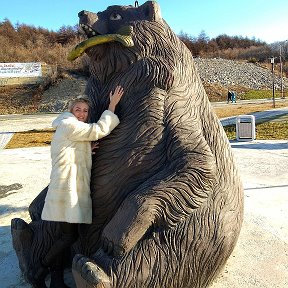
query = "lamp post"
{"x": 273, "y": 81}
{"x": 281, "y": 70}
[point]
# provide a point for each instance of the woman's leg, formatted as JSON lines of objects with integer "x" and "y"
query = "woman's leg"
{"x": 57, "y": 273}
{"x": 69, "y": 233}
{"x": 37, "y": 275}
{"x": 54, "y": 258}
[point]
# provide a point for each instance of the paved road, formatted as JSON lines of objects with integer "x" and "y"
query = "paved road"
{"x": 267, "y": 115}
{"x": 252, "y": 101}
{"x": 9, "y": 124}
{"x": 26, "y": 122}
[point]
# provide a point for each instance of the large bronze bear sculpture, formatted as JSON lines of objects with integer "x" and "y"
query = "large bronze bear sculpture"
{"x": 167, "y": 198}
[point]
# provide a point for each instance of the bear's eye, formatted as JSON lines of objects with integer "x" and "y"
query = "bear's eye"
{"x": 115, "y": 16}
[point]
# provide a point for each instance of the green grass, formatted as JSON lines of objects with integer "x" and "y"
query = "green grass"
{"x": 259, "y": 94}
{"x": 264, "y": 131}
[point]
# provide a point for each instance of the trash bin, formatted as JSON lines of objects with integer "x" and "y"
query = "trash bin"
{"x": 245, "y": 128}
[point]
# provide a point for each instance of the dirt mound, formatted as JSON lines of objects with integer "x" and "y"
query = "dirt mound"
{"x": 55, "y": 99}
{"x": 33, "y": 99}
{"x": 16, "y": 100}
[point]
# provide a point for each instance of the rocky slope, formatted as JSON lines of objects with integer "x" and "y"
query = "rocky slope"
{"x": 230, "y": 73}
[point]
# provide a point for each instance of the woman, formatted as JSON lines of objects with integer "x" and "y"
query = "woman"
{"x": 68, "y": 198}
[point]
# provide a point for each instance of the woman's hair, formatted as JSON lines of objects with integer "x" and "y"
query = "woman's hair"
{"x": 79, "y": 99}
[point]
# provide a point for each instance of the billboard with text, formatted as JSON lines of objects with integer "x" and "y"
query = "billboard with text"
{"x": 11, "y": 70}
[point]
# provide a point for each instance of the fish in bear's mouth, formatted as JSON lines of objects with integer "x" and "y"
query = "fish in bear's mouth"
{"x": 123, "y": 35}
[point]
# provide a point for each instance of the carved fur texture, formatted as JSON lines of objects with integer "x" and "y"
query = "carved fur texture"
{"x": 167, "y": 199}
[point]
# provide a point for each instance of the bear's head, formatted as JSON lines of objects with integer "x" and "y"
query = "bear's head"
{"x": 137, "y": 33}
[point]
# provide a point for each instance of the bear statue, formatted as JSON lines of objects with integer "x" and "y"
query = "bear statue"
{"x": 167, "y": 197}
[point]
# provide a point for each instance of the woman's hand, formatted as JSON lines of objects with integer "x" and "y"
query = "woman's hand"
{"x": 94, "y": 146}
{"x": 115, "y": 97}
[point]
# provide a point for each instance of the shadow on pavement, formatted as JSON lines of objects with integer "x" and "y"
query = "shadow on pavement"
{"x": 266, "y": 187}
{"x": 8, "y": 209}
{"x": 259, "y": 146}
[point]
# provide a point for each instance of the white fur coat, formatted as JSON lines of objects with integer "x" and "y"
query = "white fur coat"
{"x": 68, "y": 197}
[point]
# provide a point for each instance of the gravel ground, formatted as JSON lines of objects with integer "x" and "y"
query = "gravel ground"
{"x": 229, "y": 73}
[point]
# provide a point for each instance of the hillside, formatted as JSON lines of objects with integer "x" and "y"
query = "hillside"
{"x": 218, "y": 75}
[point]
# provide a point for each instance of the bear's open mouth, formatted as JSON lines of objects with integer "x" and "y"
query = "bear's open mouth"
{"x": 123, "y": 36}
{"x": 88, "y": 30}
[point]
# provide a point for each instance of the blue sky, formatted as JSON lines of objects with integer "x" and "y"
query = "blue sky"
{"x": 265, "y": 20}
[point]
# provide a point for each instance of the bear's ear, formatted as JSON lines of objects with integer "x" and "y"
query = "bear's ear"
{"x": 150, "y": 11}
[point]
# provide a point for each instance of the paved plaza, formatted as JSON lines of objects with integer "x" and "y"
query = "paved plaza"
{"x": 260, "y": 259}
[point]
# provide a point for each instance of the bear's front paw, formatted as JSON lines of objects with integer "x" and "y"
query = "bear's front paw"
{"x": 107, "y": 262}
{"x": 88, "y": 274}
{"x": 111, "y": 248}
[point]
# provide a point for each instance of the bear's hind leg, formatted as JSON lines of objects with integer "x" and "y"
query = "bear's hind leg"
{"x": 22, "y": 237}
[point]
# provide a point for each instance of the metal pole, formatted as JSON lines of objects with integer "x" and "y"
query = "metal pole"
{"x": 273, "y": 81}
{"x": 281, "y": 73}
{"x": 281, "y": 67}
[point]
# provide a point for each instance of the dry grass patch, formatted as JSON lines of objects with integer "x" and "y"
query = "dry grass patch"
{"x": 31, "y": 138}
{"x": 240, "y": 109}
{"x": 272, "y": 131}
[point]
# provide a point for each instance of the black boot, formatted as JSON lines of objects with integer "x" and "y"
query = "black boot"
{"x": 57, "y": 273}
{"x": 57, "y": 279}
{"x": 36, "y": 276}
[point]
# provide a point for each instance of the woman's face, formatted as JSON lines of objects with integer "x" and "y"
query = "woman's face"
{"x": 80, "y": 111}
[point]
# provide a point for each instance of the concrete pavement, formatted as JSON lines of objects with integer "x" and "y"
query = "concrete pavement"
{"x": 260, "y": 258}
